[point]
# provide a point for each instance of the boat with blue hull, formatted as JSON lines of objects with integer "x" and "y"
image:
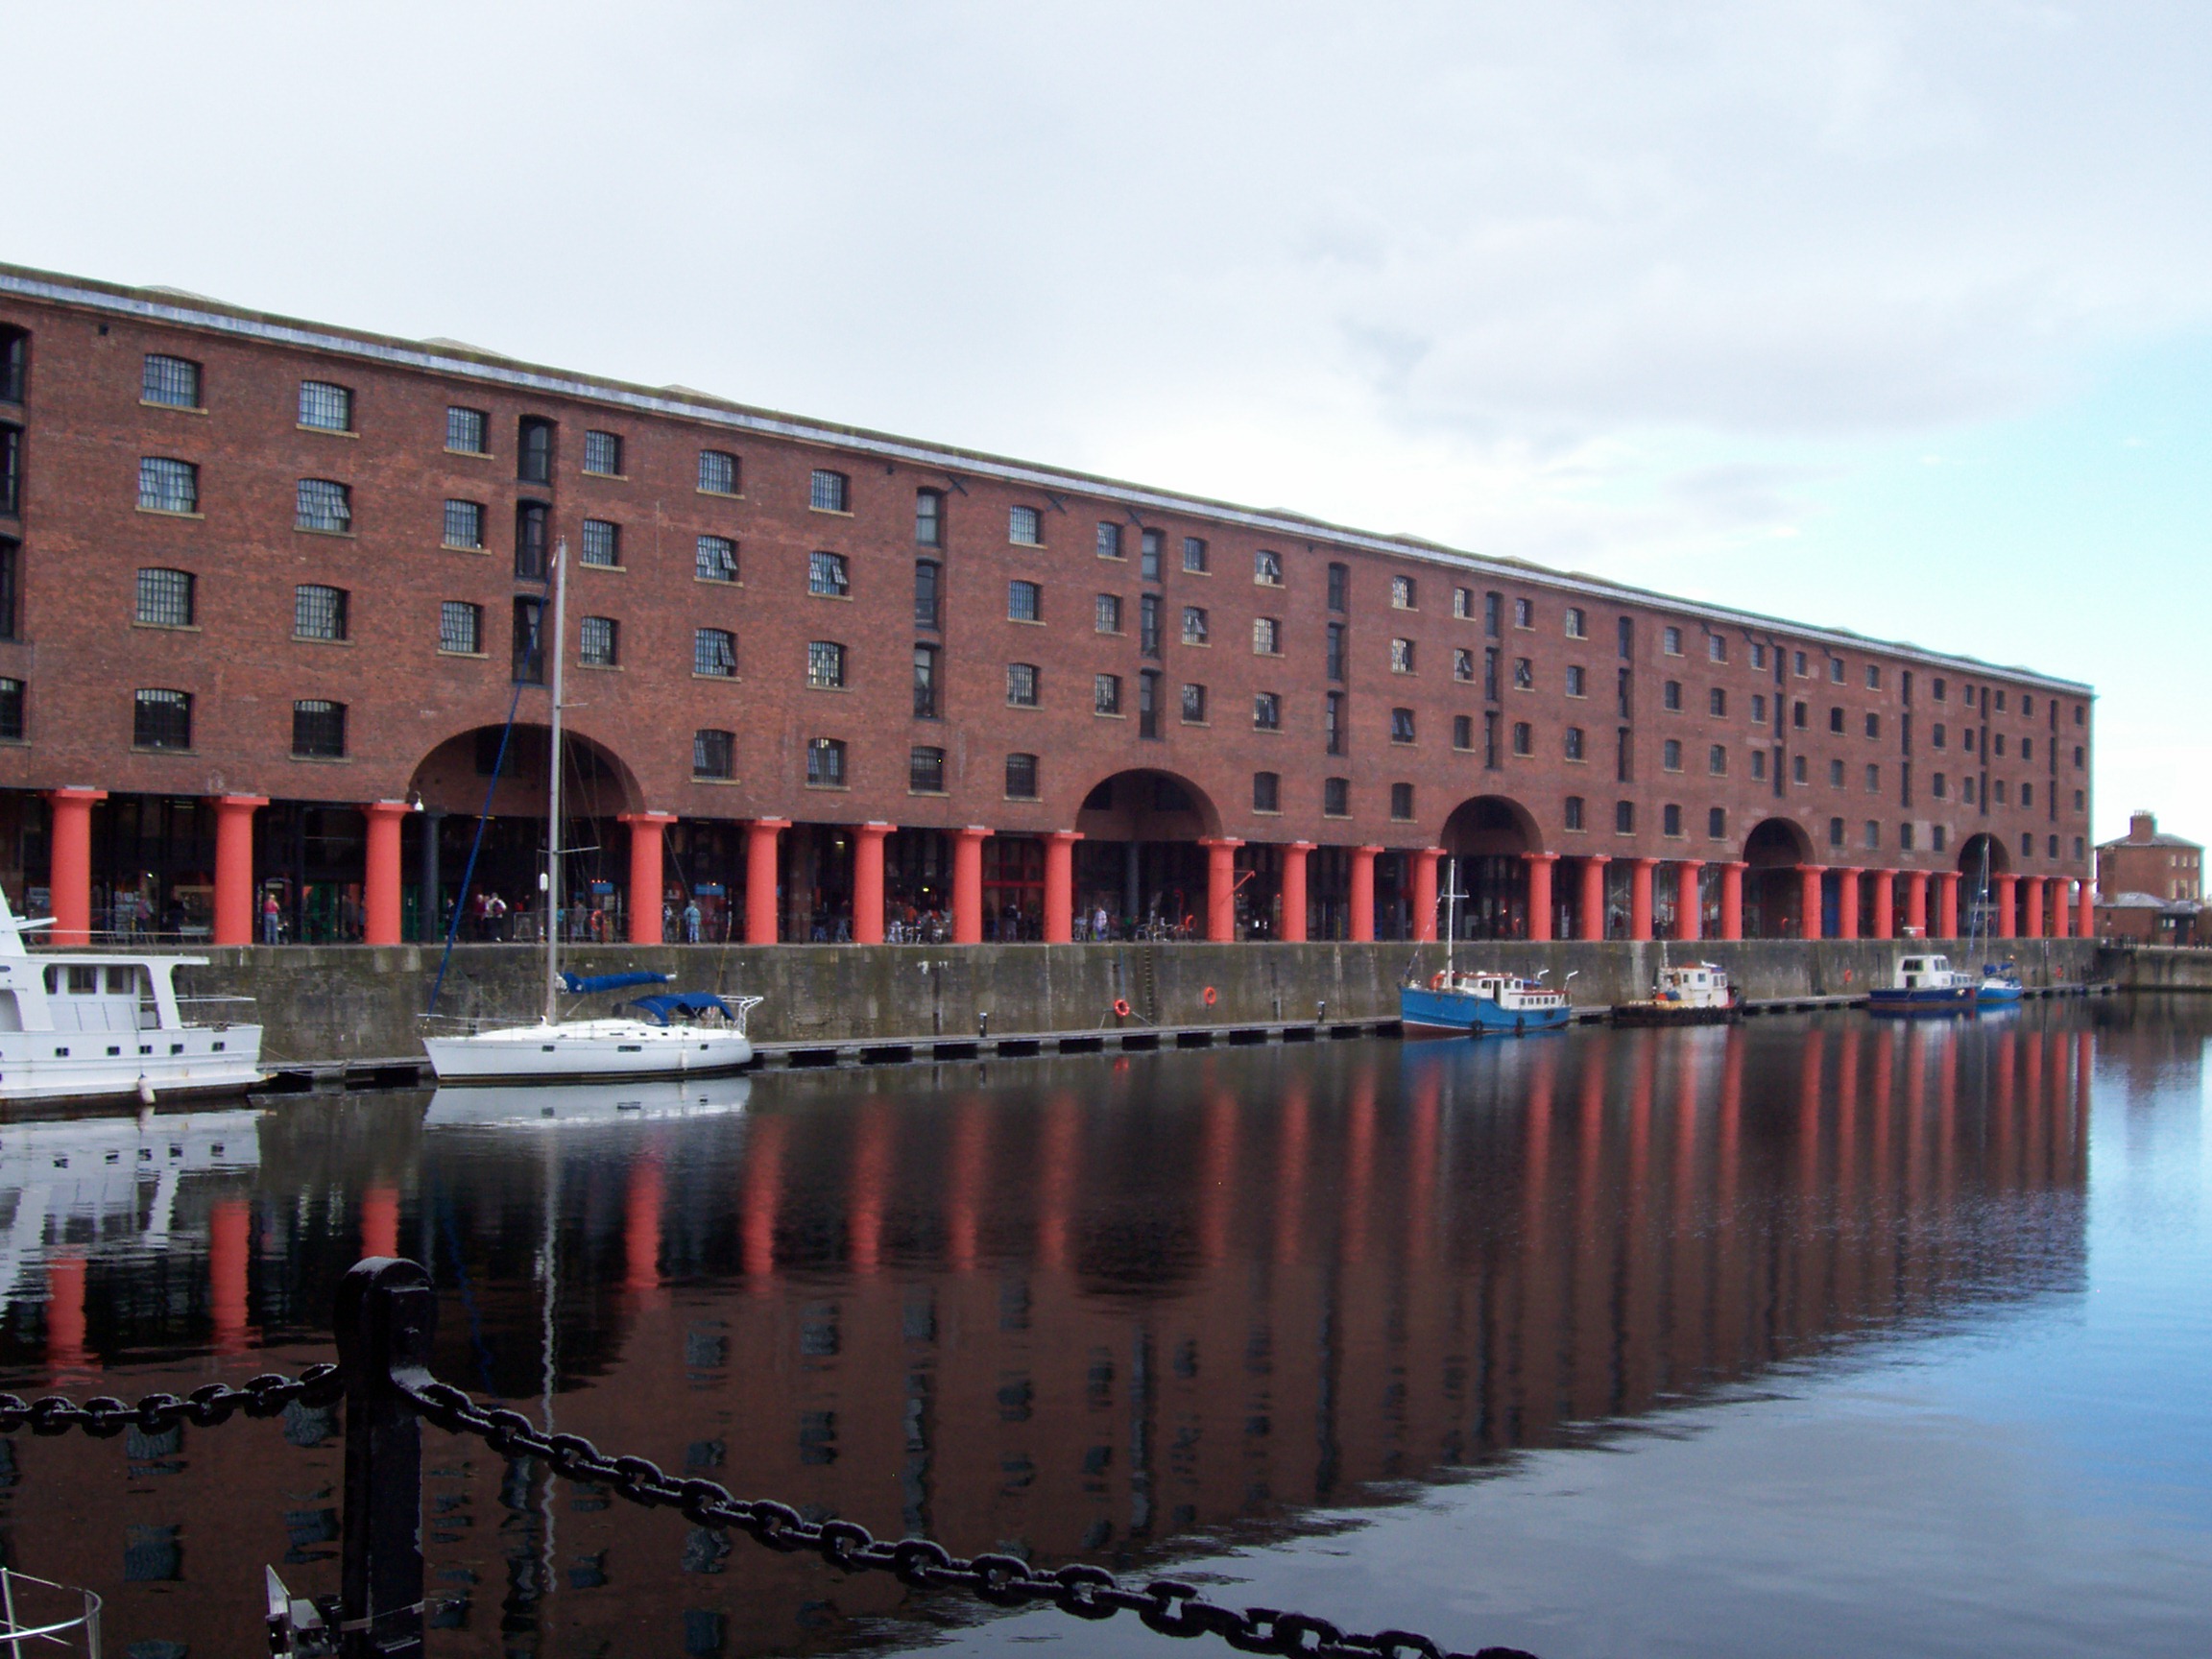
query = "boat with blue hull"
{"x": 1456, "y": 1004}
{"x": 1925, "y": 985}
{"x": 2000, "y": 985}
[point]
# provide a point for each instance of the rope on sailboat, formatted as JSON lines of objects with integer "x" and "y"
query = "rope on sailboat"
{"x": 476, "y": 846}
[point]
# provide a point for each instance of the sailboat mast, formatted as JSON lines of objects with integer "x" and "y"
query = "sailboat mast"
{"x": 552, "y": 908}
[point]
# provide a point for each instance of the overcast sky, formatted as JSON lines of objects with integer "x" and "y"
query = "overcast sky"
{"x": 1891, "y": 317}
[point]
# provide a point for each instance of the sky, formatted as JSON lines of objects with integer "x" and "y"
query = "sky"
{"x": 1883, "y": 316}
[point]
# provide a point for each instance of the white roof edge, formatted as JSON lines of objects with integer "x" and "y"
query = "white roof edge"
{"x": 507, "y": 372}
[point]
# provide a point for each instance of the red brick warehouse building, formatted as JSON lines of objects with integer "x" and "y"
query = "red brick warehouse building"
{"x": 271, "y": 594}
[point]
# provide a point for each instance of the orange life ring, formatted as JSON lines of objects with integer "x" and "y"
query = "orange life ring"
{"x": 1209, "y": 996}
{"x": 1121, "y": 1007}
{"x": 1436, "y": 979}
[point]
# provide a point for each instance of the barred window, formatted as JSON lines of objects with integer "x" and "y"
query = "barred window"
{"x": 1463, "y": 603}
{"x": 1340, "y": 588}
{"x": 1401, "y": 592}
{"x": 326, "y": 407}
{"x": 11, "y": 709}
{"x": 465, "y": 524}
{"x": 930, "y": 517}
{"x": 825, "y": 664}
{"x": 168, "y": 485}
{"x": 713, "y": 753}
{"x": 165, "y": 598}
{"x": 927, "y": 572}
{"x": 1670, "y": 641}
{"x": 1671, "y": 819}
{"x": 1400, "y": 656}
{"x": 925, "y": 771}
{"x": 1148, "y": 569}
{"x": 1577, "y": 622}
{"x": 1268, "y": 569}
{"x": 1716, "y": 702}
{"x": 1874, "y": 781}
{"x": 1193, "y": 705}
{"x": 718, "y": 472}
{"x": 826, "y": 575}
{"x": 1523, "y": 613}
{"x": 1266, "y": 792}
{"x": 826, "y": 762}
{"x": 598, "y": 642}
{"x": 1577, "y": 681}
{"x": 1573, "y": 744}
{"x": 1523, "y": 737}
{"x": 465, "y": 430}
{"x": 1024, "y": 601}
{"x": 319, "y": 612}
{"x": 1110, "y": 540}
{"x": 1193, "y": 625}
{"x": 1021, "y": 776}
{"x": 602, "y": 543}
{"x": 925, "y": 681}
{"x": 1195, "y": 555}
{"x": 1717, "y": 649}
{"x": 1671, "y": 755}
{"x": 1108, "y": 613}
{"x": 1571, "y": 817}
{"x": 1266, "y": 637}
{"x": 1022, "y": 684}
{"x": 174, "y": 382}
{"x": 714, "y": 652}
{"x": 1105, "y": 693}
{"x": 1400, "y": 725}
{"x": 1717, "y": 761}
{"x": 1023, "y": 528}
{"x": 1267, "y": 711}
{"x": 829, "y": 492}
{"x": 1402, "y": 802}
{"x": 318, "y": 729}
{"x": 1523, "y": 674}
{"x": 323, "y": 504}
{"x": 716, "y": 560}
{"x": 603, "y": 454}
{"x": 162, "y": 719}
{"x": 461, "y": 628}
{"x": 1335, "y": 797}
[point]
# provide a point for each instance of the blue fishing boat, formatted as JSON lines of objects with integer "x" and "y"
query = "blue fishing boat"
{"x": 1458, "y": 1003}
{"x": 2000, "y": 985}
{"x": 1925, "y": 985}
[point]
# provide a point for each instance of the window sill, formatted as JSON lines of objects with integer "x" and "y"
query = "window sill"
{"x": 1025, "y": 622}
{"x": 1187, "y": 571}
{"x": 466, "y": 656}
{"x": 457, "y": 547}
{"x": 1110, "y": 557}
{"x": 1267, "y": 811}
{"x": 169, "y": 627}
{"x": 607, "y": 477}
{"x": 719, "y": 678}
{"x": 1107, "y": 715}
{"x": 716, "y": 581}
{"x": 1035, "y": 548}
{"x": 719, "y": 782}
{"x": 831, "y": 511}
{"x": 721, "y": 494}
{"x": 841, "y": 690}
{"x": 171, "y": 512}
{"x": 318, "y": 639}
{"x": 1267, "y": 731}
{"x": 832, "y": 788}
{"x": 151, "y": 749}
{"x": 472, "y": 454}
{"x": 1110, "y": 633}
{"x": 1197, "y": 644}
{"x": 319, "y": 759}
{"x": 1196, "y": 725}
{"x": 601, "y": 667}
{"x": 842, "y": 598}
{"x": 611, "y": 570}
{"x": 334, "y": 535}
{"x": 174, "y": 408}
{"x": 1027, "y": 707}
{"x": 326, "y": 431}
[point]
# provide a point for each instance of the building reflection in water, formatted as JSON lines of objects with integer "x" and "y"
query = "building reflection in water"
{"x": 1071, "y": 1308}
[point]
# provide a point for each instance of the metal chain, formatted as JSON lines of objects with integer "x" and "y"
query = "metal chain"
{"x": 105, "y": 1417}
{"x": 1167, "y": 1605}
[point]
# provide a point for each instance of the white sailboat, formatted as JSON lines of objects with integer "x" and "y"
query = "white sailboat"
{"x": 678, "y": 1035}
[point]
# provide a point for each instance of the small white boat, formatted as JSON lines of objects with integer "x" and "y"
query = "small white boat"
{"x": 1695, "y": 994}
{"x": 97, "y": 1026}
{"x": 1925, "y": 985}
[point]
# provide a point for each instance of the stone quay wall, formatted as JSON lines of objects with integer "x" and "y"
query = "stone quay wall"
{"x": 364, "y": 1002}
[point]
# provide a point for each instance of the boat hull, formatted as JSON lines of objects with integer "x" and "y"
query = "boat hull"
{"x": 1922, "y": 1002}
{"x": 1675, "y": 1013}
{"x": 1426, "y": 1013}
{"x": 589, "y": 1052}
{"x": 209, "y": 1062}
{"x": 1998, "y": 995}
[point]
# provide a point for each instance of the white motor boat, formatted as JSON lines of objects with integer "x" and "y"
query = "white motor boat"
{"x": 680, "y": 1034}
{"x": 95, "y": 1026}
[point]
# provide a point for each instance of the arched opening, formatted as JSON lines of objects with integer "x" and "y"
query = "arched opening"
{"x": 1982, "y": 859}
{"x": 1486, "y": 838}
{"x": 1773, "y": 895}
{"x": 1139, "y": 864}
{"x": 469, "y": 775}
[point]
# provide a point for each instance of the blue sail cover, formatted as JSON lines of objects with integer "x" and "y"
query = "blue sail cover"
{"x": 662, "y": 1009}
{"x": 589, "y": 984}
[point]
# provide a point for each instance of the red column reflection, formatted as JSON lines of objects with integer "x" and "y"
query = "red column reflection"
{"x": 64, "y": 1315}
{"x": 763, "y": 1189}
{"x": 964, "y": 1184}
{"x": 871, "y": 1178}
{"x": 380, "y": 1221}
{"x": 1056, "y": 1186}
{"x": 641, "y": 1229}
{"x": 229, "y": 1245}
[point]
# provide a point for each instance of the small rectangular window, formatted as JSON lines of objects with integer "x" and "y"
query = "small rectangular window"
{"x": 1523, "y": 674}
{"x": 319, "y": 729}
{"x": 1266, "y": 792}
{"x": 165, "y": 598}
{"x": 1463, "y": 668}
{"x": 1401, "y": 592}
{"x": 1021, "y": 776}
{"x": 1268, "y": 569}
{"x": 1462, "y": 731}
{"x": 714, "y": 653}
{"x": 1335, "y": 797}
{"x": 829, "y": 492}
{"x": 168, "y": 485}
{"x": 323, "y": 504}
{"x": 1797, "y": 772}
{"x": 1671, "y": 820}
{"x": 1266, "y": 637}
{"x": 1336, "y": 651}
{"x": 325, "y": 407}
{"x": 319, "y": 612}
{"x": 1267, "y": 711}
{"x": 533, "y": 449}
{"x": 1834, "y": 832}
{"x": 1025, "y": 602}
{"x": 1332, "y": 722}
{"x": 1571, "y": 746}
{"x": 1836, "y": 670}
{"x": 1524, "y": 738}
{"x": 929, "y": 576}
{"x": 1110, "y": 540}
{"x": 1340, "y": 588}
{"x": 1022, "y": 684}
{"x": 1716, "y": 702}
{"x": 1400, "y": 656}
{"x": 1493, "y": 614}
{"x": 1625, "y": 817}
{"x": 1671, "y": 755}
{"x": 718, "y": 472}
{"x": 1151, "y": 546}
{"x": 162, "y": 719}
{"x": 925, "y": 770}
{"x": 713, "y": 753}
{"x": 1757, "y": 656}
{"x": 715, "y": 559}
{"x": 1195, "y": 555}
{"x": 1577, "y": 623}
{"x": 1148, "y": 624}
{"x": 529, "y": 646}
{"x": 1463, "y": 603}
{"x": 1670, "y": 641}
{"x": 1717, "y": 822}
{"x": 603, "y": 543}
{"x": 1758, "y": 764}
{"x": 465, "y": 430}
{"x": 1670, "y": 696}
{"x": 1194, "y": 625}
{"x": 1717, "y": 761}
{"x": 1757, "y": 709}
{"x": 1577, "y": 681}
{"x": 930, "y": 517}
{"x": 926, "y": 679}
{"x": 1105, "y": 693}
{"x": 826, "y": 575}
{"x": 1193, "y": 705}
{"x": 464, "y": 526}
{"x": 1524, "y": 613}
{"x": 1402, "y": 802}
{"x": 1106, "y": 613}
{"x": 1400, "y": 725}
{"x": 598, "y": 642}
{"x": 12, "y": 724}
{"x": 603, "y": 454}
{"x": 825, "y": 664}
{"x": 1873, "y": 833}
{"x": 1904, "y": 837}
{"x": 1571, "y": 816}
{"x": 1023, "y": 528}
{"x": 1873, "y": 725}
{"x": 1836, "y": 774}
{"x": 826, "y": 762}
{"x": 461, "y": 628}
{"x": 173, "y": 382}
{"x": 1716, "y": 648}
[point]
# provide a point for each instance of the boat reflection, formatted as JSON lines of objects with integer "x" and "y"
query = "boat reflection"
{"x": 532, "y": 1105}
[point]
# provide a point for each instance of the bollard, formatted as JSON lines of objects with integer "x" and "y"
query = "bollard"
{"x": 386, "y": 1316}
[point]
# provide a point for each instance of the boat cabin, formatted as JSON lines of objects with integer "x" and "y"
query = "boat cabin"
{"x": 1915, "y": 973}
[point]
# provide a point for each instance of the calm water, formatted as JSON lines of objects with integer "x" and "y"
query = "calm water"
{"x": 1817, "y": 1336}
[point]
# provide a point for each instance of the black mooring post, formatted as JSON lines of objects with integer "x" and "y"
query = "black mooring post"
{"x": 386, "y": 1316}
